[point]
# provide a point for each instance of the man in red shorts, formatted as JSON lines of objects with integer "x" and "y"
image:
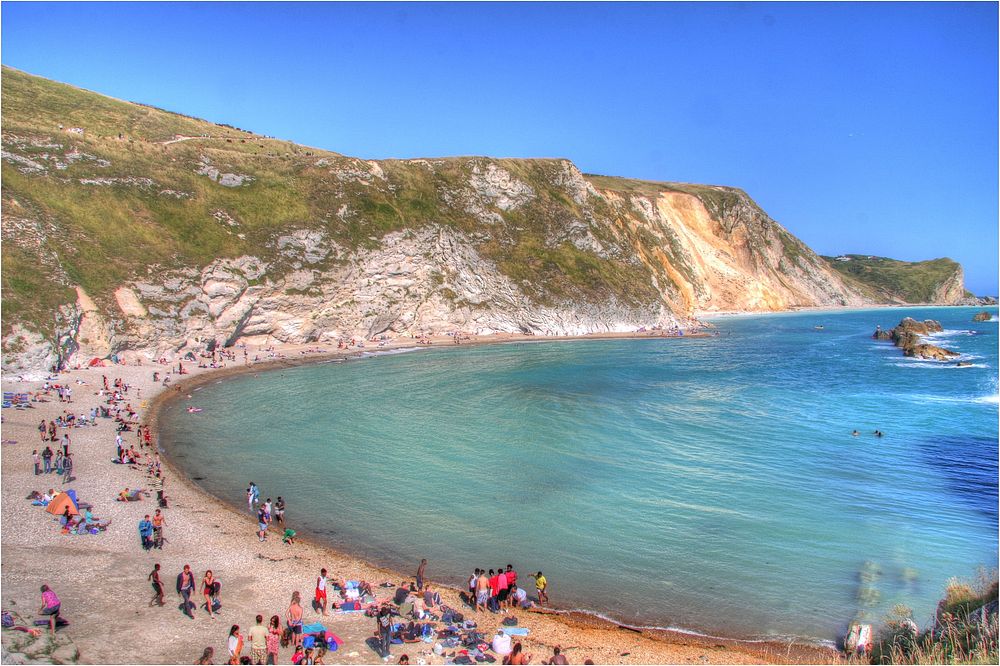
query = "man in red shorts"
{"x": 321, "y": 585}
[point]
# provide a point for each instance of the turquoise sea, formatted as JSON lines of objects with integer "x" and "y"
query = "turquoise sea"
{"x": 707, "y": 484}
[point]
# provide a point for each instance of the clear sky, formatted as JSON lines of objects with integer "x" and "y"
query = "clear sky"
{"x": 868, "y": 128}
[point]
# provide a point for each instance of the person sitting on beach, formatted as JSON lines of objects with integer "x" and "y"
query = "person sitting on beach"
{"x": 401, "y": 593}
{"x": 558, "y": 659}
{"x": 517, "y": 657}
{"x": 432, "y": 599}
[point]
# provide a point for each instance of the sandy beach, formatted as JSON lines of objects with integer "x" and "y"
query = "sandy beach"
{"x": 101, "y": 579}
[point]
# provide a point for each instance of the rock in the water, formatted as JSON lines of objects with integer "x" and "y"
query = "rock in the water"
{"x": 908, "y": 337}
{"x": 882, "y": 334}
{"x": 930, "y": 352}
{"x": 982, "y": 316}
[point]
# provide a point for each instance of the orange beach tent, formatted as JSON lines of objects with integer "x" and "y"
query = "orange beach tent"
{"x": 59, "y": 503}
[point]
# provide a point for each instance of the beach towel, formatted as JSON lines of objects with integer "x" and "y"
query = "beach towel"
{"x": 349, "y": 607}
{"x": 515, "y": 631}
{"x": 314, "y": 628}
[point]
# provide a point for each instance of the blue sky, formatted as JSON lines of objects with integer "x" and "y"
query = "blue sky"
{"x": 868, "y": 127}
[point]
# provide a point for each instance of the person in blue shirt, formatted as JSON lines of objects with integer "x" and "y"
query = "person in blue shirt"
{"x": 146, "y": 532}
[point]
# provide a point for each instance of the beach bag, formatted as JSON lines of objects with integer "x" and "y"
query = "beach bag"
{"x": 309, "y": 641}
{"x": 7, "y": 619}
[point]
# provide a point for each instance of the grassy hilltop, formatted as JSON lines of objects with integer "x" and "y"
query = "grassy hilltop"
{"x": 890, "y": 280}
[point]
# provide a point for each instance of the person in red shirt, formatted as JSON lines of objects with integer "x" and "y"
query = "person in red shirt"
{"x": 502, "y": 586}
{"x": 494, "y": 590}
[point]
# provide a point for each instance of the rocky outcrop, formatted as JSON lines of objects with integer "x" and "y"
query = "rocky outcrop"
{"x": 908, "y": 336}
{"x": 982, "y": 316}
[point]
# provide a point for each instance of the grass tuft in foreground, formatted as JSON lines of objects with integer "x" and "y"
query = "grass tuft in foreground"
{"x": 964, "y": 631}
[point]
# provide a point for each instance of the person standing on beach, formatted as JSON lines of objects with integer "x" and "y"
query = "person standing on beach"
{"x": 262, "y": 520}
{"x": 67, "y": 468}
{"x": 52, "y": 431}
{"x": 50, "y": 607}
{"x": 482, "y": 591}
{"x": 146, "y": 532}
{"x": 207, "y": 591}
{"x": 185, "y": 587}
{"x": 420, "y": 574}
{"x": 321, "y": 591}
{"x": 47, "y": 459}
{"x": 279, "y": 511}
{"x": 235, "y": 644}
{"x": 65, "y": 443}
{"x": 541, "y": 585}
{"x": 154, "y": 578}
{"x": 42, "y": 429}
{"x": 119, "y": 445}
{"x": 472, "y": 587}
{"x": 273, "y": 639}
{"x": 158, "y": 522}
{"x": 38, "y": 462}
{"x": 258, "y": 641}
{"x": 293, "y": 618}
{"x": 383, "y": 623}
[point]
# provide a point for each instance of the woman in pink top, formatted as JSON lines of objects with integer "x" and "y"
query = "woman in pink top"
{"x": 50, "y": 607}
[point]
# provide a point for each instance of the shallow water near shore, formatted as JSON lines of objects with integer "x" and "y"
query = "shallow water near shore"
{"x": 707, "y": 484}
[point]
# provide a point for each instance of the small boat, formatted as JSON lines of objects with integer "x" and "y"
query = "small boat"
{"x": 963, "y": 364}
{"x": 819, "y": 327}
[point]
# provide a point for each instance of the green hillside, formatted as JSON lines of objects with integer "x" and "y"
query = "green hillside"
{"x": 891, "y": 280}
{"x": 123, "y": 197}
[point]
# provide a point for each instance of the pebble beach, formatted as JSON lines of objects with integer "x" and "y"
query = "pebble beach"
{"x": 101, "y": 578}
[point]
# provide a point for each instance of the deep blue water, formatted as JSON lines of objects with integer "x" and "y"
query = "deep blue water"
{"x": 708, "y": 484}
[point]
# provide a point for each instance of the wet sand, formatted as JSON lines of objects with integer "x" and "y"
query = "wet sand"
{"x": 102, "y": 578}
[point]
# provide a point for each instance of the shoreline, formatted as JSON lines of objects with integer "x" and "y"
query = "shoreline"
{"x": 573, "y": 616}
{"x": 211, "y": 533}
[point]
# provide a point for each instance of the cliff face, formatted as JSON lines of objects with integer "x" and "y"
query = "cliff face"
{"x": 127, "y": 227}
